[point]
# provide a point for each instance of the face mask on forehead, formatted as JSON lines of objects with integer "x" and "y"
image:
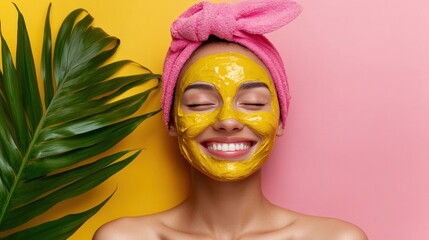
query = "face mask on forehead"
{"x": 229, "y": 74}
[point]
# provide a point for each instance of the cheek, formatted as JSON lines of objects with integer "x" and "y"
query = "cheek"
{"x": 190, "y": 125}
{"x": 264, "y": 123}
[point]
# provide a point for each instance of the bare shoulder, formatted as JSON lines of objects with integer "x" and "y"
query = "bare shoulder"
{"x": 162, "y": 225}
{"x": 328, "y": 228}
{"x": 129, "y": 228}
{"x": 340, "y": 230}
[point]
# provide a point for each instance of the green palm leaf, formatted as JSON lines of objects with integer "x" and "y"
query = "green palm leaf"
{"x": 44, "y": 149}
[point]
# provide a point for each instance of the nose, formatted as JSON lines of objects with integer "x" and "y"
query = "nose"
{"x": 228, "y": 125}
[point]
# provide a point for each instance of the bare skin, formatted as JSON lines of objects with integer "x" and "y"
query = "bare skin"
{"x": 227, "y": 210}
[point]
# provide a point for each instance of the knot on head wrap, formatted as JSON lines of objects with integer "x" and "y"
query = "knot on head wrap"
{"x": 242, "y": 23}
{"x": 203, "y": 20}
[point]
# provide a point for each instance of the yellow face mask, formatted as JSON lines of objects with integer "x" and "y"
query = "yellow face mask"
{"x": 231, "y": 75}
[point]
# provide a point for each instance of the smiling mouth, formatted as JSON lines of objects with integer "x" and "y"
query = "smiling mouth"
{"x": 230, "y": 150}
{"x": 228, "y": 147}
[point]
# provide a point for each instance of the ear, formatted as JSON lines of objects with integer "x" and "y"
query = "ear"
{"x": 279, "y": 131}
{"x": 172, "y": 131}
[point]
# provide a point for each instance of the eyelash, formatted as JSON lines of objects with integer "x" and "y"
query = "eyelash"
{"x": 210, "y": 104}
{"x": 254, "y": 104}
{"x": 199, "y": 105}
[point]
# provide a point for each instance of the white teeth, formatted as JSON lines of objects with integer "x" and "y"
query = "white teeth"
{"x": 228, "y": 147}
{"x": 231, "y": 147}
{"x": 224, "y": 147}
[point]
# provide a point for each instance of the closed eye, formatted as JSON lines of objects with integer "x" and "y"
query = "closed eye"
{"x": 200, "y": 106}
{"x": 253, "y": 106}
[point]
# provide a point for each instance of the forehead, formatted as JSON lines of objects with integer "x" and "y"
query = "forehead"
{"x": 220, "y": 47}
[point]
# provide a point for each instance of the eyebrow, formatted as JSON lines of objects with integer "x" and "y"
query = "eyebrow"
{"x": 250, "y": 85}
{"x": 200, "y": 86}
{"x": 244, "y": 86}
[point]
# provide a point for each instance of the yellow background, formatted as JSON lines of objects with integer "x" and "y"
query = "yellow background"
{"x": 158, "y": 178}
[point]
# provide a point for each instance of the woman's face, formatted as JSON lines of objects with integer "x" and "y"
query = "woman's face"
{"x": 226, "y": 113}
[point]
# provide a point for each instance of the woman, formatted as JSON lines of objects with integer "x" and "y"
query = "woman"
{"x": 225, "y": 98}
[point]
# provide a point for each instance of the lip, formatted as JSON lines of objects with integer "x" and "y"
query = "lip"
{"x": 228, "y": 148}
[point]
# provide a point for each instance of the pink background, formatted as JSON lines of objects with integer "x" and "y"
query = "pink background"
{"x": 356, "y": 145}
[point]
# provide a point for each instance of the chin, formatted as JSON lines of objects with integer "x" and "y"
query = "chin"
{"x": 225, "y": 170}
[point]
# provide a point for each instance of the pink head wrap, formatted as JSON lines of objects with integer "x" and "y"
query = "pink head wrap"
{"x": 242, "y": 23}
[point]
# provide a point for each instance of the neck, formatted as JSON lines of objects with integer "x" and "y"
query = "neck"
{"x": 225, "y": 207}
